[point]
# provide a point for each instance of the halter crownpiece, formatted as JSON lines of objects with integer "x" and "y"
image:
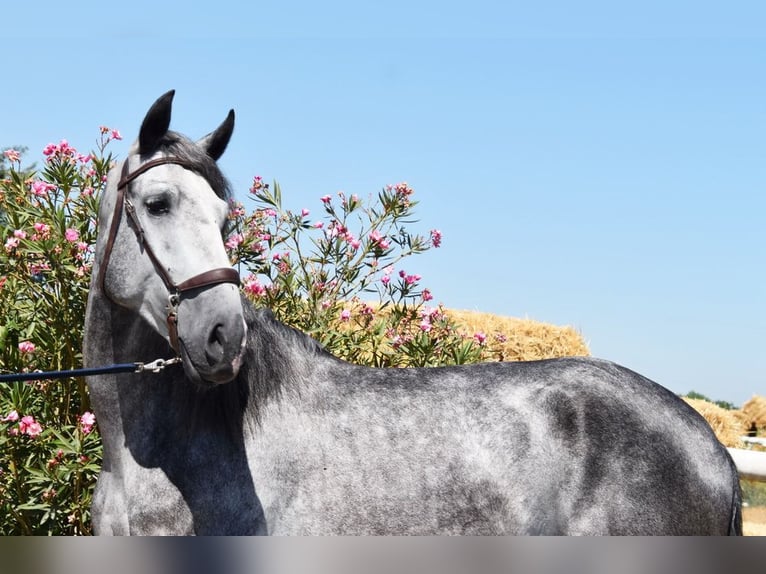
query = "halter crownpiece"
{"x": 175, "y": 290}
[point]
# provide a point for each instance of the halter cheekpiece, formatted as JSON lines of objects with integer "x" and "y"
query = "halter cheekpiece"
{"x": 175, "y": 290}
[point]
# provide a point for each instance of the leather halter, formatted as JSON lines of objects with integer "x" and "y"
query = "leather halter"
{"x": 175, "y": 290}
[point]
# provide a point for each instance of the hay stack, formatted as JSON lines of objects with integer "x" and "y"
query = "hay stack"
{"x": 726, "y": 424}
{"x": 754, "y": 412}
{"x": 522, "y": 339}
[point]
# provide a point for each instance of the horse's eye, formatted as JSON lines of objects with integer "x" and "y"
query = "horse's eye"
{"x": 157, "y": 206}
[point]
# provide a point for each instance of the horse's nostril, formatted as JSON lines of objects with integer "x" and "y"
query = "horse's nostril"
{"x": 214, "y": 350}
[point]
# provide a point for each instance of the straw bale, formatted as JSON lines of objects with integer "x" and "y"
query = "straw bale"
{"x": 754, "y": 411}
{"x": 522, "y": 339}
{"x": 726, "y": 424}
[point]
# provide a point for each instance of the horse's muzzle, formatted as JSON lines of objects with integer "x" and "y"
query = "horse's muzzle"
{"x": 213, "y": 354}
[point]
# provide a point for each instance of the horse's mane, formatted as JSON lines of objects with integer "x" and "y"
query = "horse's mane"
{"x": 178, "y": 145}
{"x": 277, "y": 356}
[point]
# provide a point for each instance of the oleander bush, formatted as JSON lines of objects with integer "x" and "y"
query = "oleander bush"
{"x": 340, "y": 277}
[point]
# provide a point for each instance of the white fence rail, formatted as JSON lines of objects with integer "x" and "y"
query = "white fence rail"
{"x": 751, "y": 464}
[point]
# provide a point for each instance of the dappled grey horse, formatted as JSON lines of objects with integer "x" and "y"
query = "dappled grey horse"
{"x": 264, "y": 432}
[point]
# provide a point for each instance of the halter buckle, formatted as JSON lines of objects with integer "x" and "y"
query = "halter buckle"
{"x": 174, "y": 299}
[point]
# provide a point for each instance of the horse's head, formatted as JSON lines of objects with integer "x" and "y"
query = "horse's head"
{"x": 165, "y": 209}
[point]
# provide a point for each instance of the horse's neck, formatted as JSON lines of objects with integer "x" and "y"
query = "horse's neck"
{"x": 114, "y": 335}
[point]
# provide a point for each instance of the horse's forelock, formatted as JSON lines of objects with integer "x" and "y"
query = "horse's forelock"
{"x": 178, "y": 145}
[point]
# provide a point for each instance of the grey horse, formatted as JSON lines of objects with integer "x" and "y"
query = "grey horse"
{"x": 261, "y": 431}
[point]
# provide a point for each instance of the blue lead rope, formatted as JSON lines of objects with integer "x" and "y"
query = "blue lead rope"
{"x": 153, "y": 367}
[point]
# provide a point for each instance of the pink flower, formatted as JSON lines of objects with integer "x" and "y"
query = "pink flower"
{"x": 318, "y": 225}
{"x": 11, "y": 244}
{"x": 326, "y": 199}
{"x": 385, "y": 279}
{"x": 27, "y": 347}
{"x": 436, "y": 238}
{"x": 427, "y": 295}
{"x": 425, "y": 325}
{"x": 345, "y": 315}
{"x": 87, "y": 420}
{"x": 41, "y": 188}
{"x": 234, "y": 241}
{"x": 379, "y": 240}
{"x": 257, "y": 184}
{"x": 34, "y": 429}
{"x": 412, "y": 279}
{"x": 334, "y": 230}
{"x": 21, "y": 234}
{"x": 253, "y": 286}
{"x": 29, "y": 426}
{"x": 403, "y": 188}
{"x": 12, "y": 155}
{"x": 236, "y": 209}
{"x": 481, "y": 338}
{"x": 37, "y": 268}
{"x": 116, "y": 135}
{"x": 11, "y": 417}
{"x": 43, "y": 229}
{"x": 71, "y": 235}
{"x": 305, "y": 212}
{"x": 82, "y": 246}
{"x": 50, "y": 149}
{"x": 352, "y": 241}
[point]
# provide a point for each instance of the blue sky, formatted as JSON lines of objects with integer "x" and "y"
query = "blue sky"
{"x": 601, "y": 167}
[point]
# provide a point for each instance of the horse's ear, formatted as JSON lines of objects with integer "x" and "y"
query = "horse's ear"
{"x": 155, "y": 124}
{"x": 215, "y": 142}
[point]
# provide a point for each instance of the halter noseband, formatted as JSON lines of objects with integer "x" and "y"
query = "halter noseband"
{"x": 175, "y": 290}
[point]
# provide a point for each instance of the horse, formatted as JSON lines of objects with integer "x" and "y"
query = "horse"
{"x": 262, "y": 431}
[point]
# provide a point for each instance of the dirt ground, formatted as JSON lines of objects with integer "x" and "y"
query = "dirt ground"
{"x": 754, "y": 521}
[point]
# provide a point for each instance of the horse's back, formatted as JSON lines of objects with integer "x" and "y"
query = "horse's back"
{"x": 570, "y": 446}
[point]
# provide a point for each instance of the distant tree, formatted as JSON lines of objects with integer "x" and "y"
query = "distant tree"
{"x": 726, "y": 405}
{"x": 699, "y": 396}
